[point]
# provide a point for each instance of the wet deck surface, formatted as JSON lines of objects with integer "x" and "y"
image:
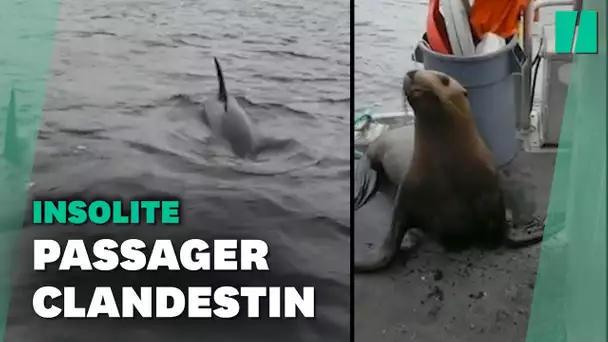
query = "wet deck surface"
{"x": 436, "y": 297}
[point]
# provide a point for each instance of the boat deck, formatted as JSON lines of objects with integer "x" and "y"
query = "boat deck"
{"x": 471, "y": 296}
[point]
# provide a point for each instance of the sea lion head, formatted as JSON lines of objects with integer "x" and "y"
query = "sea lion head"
{"x": 435, "y": 96}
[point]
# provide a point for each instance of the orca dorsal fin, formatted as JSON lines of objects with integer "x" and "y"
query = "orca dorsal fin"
{"x": 222, "y": 94}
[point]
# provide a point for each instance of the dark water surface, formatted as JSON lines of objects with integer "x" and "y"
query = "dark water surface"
{"x": 386, "y": 33}
{"x": 121, "y": 120}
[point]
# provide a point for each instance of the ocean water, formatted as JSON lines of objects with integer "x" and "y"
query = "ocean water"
{"x": 386, "y": 33}
{"x": 122, "y": 120}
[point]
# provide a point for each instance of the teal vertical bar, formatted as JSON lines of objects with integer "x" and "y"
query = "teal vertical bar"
{"x": 570, "y": 296}
{"x": 565, "y": 25}
{"x": 26, "y": 44}
{"x": 586, "y": 38}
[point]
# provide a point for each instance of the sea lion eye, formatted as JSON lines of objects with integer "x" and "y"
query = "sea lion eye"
{"x": 466, "y": 94}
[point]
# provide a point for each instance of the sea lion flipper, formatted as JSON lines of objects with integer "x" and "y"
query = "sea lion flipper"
{"x": 392, "y": 242}
{"x": 493, "y": 205}
{"x": 222, "y": 94}
{"x": 512, "y": 242}
{"x": 516, "y": 243}
{"x": 366, "y": 181}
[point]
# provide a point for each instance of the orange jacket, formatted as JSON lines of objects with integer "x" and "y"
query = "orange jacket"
{"x": 500, "y": 17}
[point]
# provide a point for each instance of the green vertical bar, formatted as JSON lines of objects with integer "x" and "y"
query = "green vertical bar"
{"x": 586, "y": 38}
{"x": 26, "y": 43}
{"x": 570, "y": 296}
{"x": 565, "y": 25}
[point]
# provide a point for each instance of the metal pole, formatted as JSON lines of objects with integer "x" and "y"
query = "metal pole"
{"x": 526, "y": 82}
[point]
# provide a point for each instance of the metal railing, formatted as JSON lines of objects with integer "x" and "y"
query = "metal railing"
{"x": 526, "y": 74}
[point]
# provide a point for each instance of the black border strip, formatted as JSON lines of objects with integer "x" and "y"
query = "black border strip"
{"x": 352, "y": 169}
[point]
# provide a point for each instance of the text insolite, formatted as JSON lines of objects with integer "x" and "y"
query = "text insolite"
{"x": 164, "y": 302}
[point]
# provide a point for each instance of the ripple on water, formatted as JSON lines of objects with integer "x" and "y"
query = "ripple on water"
{"x": 122, "y": 120}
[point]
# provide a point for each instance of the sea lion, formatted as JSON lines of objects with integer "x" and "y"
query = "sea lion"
{"x": 229, "y": 121}
{"x": 387, "y": 158}
{"x": 451, "y": 189}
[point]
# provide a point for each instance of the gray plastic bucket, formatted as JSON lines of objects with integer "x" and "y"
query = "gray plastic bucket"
{"x": 490, "y": 84}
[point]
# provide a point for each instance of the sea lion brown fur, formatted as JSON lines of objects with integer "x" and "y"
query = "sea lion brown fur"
{"x": 451, "y": 190}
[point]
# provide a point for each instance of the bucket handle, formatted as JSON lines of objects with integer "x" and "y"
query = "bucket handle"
{"x": 417, "y": 55}
{"x": 518, "y": 61}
